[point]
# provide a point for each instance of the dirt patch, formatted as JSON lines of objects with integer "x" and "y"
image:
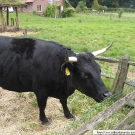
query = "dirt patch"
{"x": 18, "y": 116}
{"x": 130, "y": 75}
{"x": 18, "y": 33}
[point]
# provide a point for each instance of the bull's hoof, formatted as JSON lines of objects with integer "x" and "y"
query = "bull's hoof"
{"x": 69, "y": 116}
{"x": 46, "y": 122}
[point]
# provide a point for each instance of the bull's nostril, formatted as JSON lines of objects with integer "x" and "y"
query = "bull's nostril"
{"x": 107, "y": 94}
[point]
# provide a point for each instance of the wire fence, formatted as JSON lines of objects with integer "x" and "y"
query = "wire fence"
{"x": 109, "y": 123}
{"x": 113, "y": 120}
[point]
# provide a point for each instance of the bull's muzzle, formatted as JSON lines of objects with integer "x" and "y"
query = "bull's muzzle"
{"x": 107, "y": 94}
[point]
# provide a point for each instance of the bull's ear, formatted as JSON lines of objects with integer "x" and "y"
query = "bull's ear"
{"x": 67, "y": 68}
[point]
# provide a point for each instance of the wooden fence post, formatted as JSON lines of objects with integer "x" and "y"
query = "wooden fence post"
{"x": 104, "y": 115}
{"x": 12, "y": 22}
{"x": 1, "y": 18}
{"x": 25, "y": 33}
{"x": 17, "y": 20}
{"x": 121, "y": 75}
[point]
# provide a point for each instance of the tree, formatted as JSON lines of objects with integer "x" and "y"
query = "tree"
{"x": 67, "y": 3}
{"x": 89, "y": 3}
{"x": 95, "y": 5}
{"x": 80, "y": 6}
{"x": 120, "y": 12}
{"x": 108, "y": 3}
{"x": 74, "y": 3}
{"x": 117, "y": 3}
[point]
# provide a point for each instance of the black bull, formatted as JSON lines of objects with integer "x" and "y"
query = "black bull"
{"x": 44, "y": 67}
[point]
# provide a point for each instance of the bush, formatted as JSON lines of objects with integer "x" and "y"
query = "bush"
{"x": 80, "y": 6}
{"x": 105, "y": 8}
{"x": 132, "y": 10}
{"x": 50, "y": 10}
{"x": 120, "y": 12}
{"x": 95, "y": 5}
{"x": 35, "y": 13}
{"x": 67, "y": 12}
{"x": 101, "y": 8}
{"x": 86, "y": 10}
{"x": 112, "y": 9}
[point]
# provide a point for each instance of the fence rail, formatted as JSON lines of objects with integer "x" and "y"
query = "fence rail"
{"x": 105, "y": 114}
{"x": 111, "y": 60}
{"x": 120, "y": 78}
{"x": 117, "y": 87}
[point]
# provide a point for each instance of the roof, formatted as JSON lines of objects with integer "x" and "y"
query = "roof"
{"x": 13, "y": 4}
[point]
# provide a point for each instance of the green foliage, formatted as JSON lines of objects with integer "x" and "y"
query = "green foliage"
{"x": 81, "y": 6}
{"x": 35, "y": 13}
{"x": 108, "y": 3}
{"x": 50, "y": 10}
{"x": 101, "y": 8}
{"x": 21, "y": 95}
{"x": 9, "y": 0}
{"x": 6, "y": 1}
{"x": 120, "y": 12}
{"x": 67, "y": 3}
{"x": 86, "y": 10}
{"x": 33, "y": 99}
{"x": 111, "y": 9}
{"x": 34, "y": 102}
{"x": 131, "y": 10}
{"x": 12, "y": 2}
{"x": 95, "y": 5}
{"x": 67, "y": 12}
{"x": 116, "y": 9}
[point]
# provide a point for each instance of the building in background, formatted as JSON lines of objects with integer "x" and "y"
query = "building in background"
{"x": 39, "y": 6}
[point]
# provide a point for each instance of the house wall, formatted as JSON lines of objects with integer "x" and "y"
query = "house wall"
{"x": 43, "y": 4}
{"x": 28, "y": 9}
{"x": 33, "y": 6}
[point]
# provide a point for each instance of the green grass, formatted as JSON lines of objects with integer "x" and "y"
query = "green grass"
{"x": 95, "y": 31}
{"x": 92, "y": 33}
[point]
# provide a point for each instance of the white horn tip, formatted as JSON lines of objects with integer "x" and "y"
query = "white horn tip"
{"x": 102, "y": 50}
{"x": 72, "y": 59}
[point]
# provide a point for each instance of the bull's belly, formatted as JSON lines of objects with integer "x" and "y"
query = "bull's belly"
{"x": 13, "y": 82}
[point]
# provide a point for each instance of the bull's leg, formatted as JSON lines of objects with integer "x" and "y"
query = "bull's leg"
{"x": 67, "y": 113}
{"x": 41, "y": 100}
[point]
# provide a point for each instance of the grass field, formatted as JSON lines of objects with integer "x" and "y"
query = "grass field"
{"x": 92, "y": 33}
{"x": 83, "y": 33}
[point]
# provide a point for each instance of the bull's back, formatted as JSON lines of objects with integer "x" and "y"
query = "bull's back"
{"x": 26, "y": 63}
{"x": 15, "y": 58}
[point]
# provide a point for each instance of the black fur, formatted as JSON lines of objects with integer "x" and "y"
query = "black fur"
{"x": 39, "y": 66}
{"x": 21, "y": 46}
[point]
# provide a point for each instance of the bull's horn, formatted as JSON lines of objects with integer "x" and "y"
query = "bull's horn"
{"x": 102, "y": 50}
{"x": 70, "y": 59}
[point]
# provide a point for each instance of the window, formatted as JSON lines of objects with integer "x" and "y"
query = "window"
{"x": 50, "y": 1}
{"x": 39, "y": 8}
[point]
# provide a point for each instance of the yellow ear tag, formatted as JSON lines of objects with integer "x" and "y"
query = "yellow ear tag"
{"x": 67, "y": 72}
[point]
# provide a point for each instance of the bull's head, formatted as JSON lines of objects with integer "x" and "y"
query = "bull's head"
{"x": 85, "y": 74}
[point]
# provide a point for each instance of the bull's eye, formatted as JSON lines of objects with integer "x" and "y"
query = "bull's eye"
{"x": 86, "y": 76}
